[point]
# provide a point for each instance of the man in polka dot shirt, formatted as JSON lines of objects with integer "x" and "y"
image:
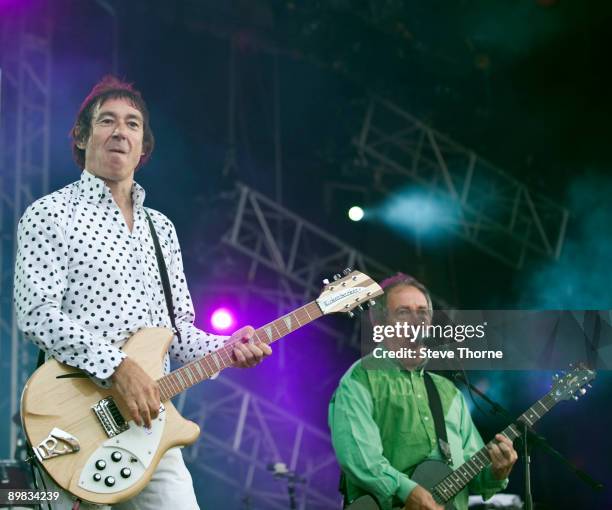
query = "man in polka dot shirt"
{"x": 86, "y": 274}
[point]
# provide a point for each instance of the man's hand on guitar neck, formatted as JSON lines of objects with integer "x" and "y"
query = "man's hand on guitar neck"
{"x": 503, "y": 456}
{"x": 246, "y": 352}
{"x": 139, "y": 391}
{"x": 421, "y": 499}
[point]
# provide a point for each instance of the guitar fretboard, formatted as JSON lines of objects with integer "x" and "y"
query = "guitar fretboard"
{"x": 454, "y": 483}
{"x": 204, "y": 368}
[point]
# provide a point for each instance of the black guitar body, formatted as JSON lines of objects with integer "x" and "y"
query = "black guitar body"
{"x": 427, "y": 474}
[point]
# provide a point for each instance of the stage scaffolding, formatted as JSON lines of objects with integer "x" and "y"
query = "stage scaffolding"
{"x": 243, "y": 434}
{"x": 25, "y": 117}
{"x": 499, "y": 215}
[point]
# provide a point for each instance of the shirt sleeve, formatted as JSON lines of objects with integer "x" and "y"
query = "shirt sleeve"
{"x": 41, "y": 279}
{"x": 356, "y": 440}
{"x": 485, "y": 483}
{"x": 193, "y": 342}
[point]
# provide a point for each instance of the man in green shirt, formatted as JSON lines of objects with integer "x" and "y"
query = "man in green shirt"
{"x": 382, "y": 426}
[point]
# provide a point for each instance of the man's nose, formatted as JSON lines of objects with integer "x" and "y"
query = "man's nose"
{"x": 119, "y": 131}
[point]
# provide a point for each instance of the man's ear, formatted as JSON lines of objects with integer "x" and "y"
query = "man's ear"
{"x": 80, "y": 141}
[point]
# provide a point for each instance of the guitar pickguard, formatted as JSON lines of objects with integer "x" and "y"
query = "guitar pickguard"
{"x": 123, "y": 459}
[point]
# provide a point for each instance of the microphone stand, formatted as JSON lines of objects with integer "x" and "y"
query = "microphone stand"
{"x": 530, "y": 438}
{"x": 279, "y": 470}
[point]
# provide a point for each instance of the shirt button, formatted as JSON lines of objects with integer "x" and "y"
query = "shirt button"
{"x": 426, "y": 418}
{"x": 418, "y": 395}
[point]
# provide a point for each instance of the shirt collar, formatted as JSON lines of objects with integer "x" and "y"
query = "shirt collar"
{"x": 94, "y": 190}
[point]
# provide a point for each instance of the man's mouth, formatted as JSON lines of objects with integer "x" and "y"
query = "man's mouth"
{"x": 119, "y": 151}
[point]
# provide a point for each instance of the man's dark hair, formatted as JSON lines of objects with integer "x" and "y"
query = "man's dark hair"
{"x": 379, "y": 310}
{"x": 109, "y": 87}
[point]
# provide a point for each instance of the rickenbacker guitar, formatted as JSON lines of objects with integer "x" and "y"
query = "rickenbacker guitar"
{"x": 444, "y": 483}
{"x": 80, "y": 432}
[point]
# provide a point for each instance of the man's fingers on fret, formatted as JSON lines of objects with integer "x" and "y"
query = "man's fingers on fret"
{"x": 266, "y": 349}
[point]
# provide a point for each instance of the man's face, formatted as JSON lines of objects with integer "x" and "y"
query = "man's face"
{"x": 114, "y": 147}
{"x": 406, "y": 304}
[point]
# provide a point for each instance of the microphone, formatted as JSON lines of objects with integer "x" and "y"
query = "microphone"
{"x": 280, "y": 470}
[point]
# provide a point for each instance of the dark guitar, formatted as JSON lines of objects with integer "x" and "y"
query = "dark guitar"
{"x": 445, "y": 483}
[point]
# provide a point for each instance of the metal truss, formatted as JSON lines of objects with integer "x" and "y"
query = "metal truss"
{"x": 24, "y": 162}
{"x": 498, "y": 214}
{"x": 242, "y": 434}
{"x": 297, "y": 253}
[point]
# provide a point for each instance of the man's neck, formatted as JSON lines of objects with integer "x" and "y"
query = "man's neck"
{"x": 122, "y": 193}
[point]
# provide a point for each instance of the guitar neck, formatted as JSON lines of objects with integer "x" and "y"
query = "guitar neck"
{"x": 454, "y": 483}
{"x": 204, "y": 368}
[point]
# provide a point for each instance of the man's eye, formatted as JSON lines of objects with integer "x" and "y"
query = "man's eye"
{"x": 106, "y": 121}
{"x": 134, "y": 125}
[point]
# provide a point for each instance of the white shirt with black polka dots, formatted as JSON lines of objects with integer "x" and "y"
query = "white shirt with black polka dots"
{"x": 84, "y": 283}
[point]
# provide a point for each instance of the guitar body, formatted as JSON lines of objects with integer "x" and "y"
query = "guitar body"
{"x": 72, "y": 442}
{"x": 427, "y": 474}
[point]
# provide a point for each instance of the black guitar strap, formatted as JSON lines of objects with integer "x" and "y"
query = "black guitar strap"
{"x": 435, "y": 404}
{"x": 163, "y": 272}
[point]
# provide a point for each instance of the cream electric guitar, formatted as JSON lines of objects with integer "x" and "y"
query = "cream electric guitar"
{"x": 81, "y": 433}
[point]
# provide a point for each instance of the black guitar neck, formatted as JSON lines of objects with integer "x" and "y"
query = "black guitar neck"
{"x": 454, "y": 483}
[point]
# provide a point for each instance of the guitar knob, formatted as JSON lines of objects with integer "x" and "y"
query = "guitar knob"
{"x": 97, "y": 477}
{"x": 126, "y": 472}
{"x": 116, "y": 456}
{"x": 109, "y": 481}
{"x": 100, "y": 464}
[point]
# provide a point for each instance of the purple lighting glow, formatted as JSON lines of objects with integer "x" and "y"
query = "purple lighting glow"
{"x": 222, "y": 319}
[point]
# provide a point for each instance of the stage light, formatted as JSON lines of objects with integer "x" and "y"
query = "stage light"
{"x": 222, "y": 319}
{"x": 355, "y": 213}
{"x": 419, "y": 212}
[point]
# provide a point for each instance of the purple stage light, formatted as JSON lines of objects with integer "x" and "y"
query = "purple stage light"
{"x": 222, "y": 319}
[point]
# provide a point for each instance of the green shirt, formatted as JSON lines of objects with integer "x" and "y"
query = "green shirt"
{"x": 382, "y": 428}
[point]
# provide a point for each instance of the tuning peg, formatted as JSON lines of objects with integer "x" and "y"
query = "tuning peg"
{"x": 582, "y": 391}
{"x": 326, "y": 281}
{"x": 360, "y": 307}
{"x": 347, "y": 271}
{"x": 351, "y": 315}
{"x": 371, "y": 302}
{"x": 575, "y": 397}
{"x": 589, "y": 386}
{"x": 556, "y": 377}
{"x": 337, "y": 277}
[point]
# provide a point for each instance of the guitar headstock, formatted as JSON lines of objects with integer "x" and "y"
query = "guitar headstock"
{"x": 572, "y": 384}
{"x": 345, "y": 293}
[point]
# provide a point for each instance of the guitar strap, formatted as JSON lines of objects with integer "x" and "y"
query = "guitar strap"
{"x": 435, "y": 404}
{"x": 163, "y": 272}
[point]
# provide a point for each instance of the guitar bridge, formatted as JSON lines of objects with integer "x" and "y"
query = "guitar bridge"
{"x": 110, "y": 417}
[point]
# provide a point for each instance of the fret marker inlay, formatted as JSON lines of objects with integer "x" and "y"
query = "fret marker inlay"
{"x": 268, "y": 331}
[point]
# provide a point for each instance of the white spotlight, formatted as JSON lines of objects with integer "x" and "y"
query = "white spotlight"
{"x": 355, "y": 213}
